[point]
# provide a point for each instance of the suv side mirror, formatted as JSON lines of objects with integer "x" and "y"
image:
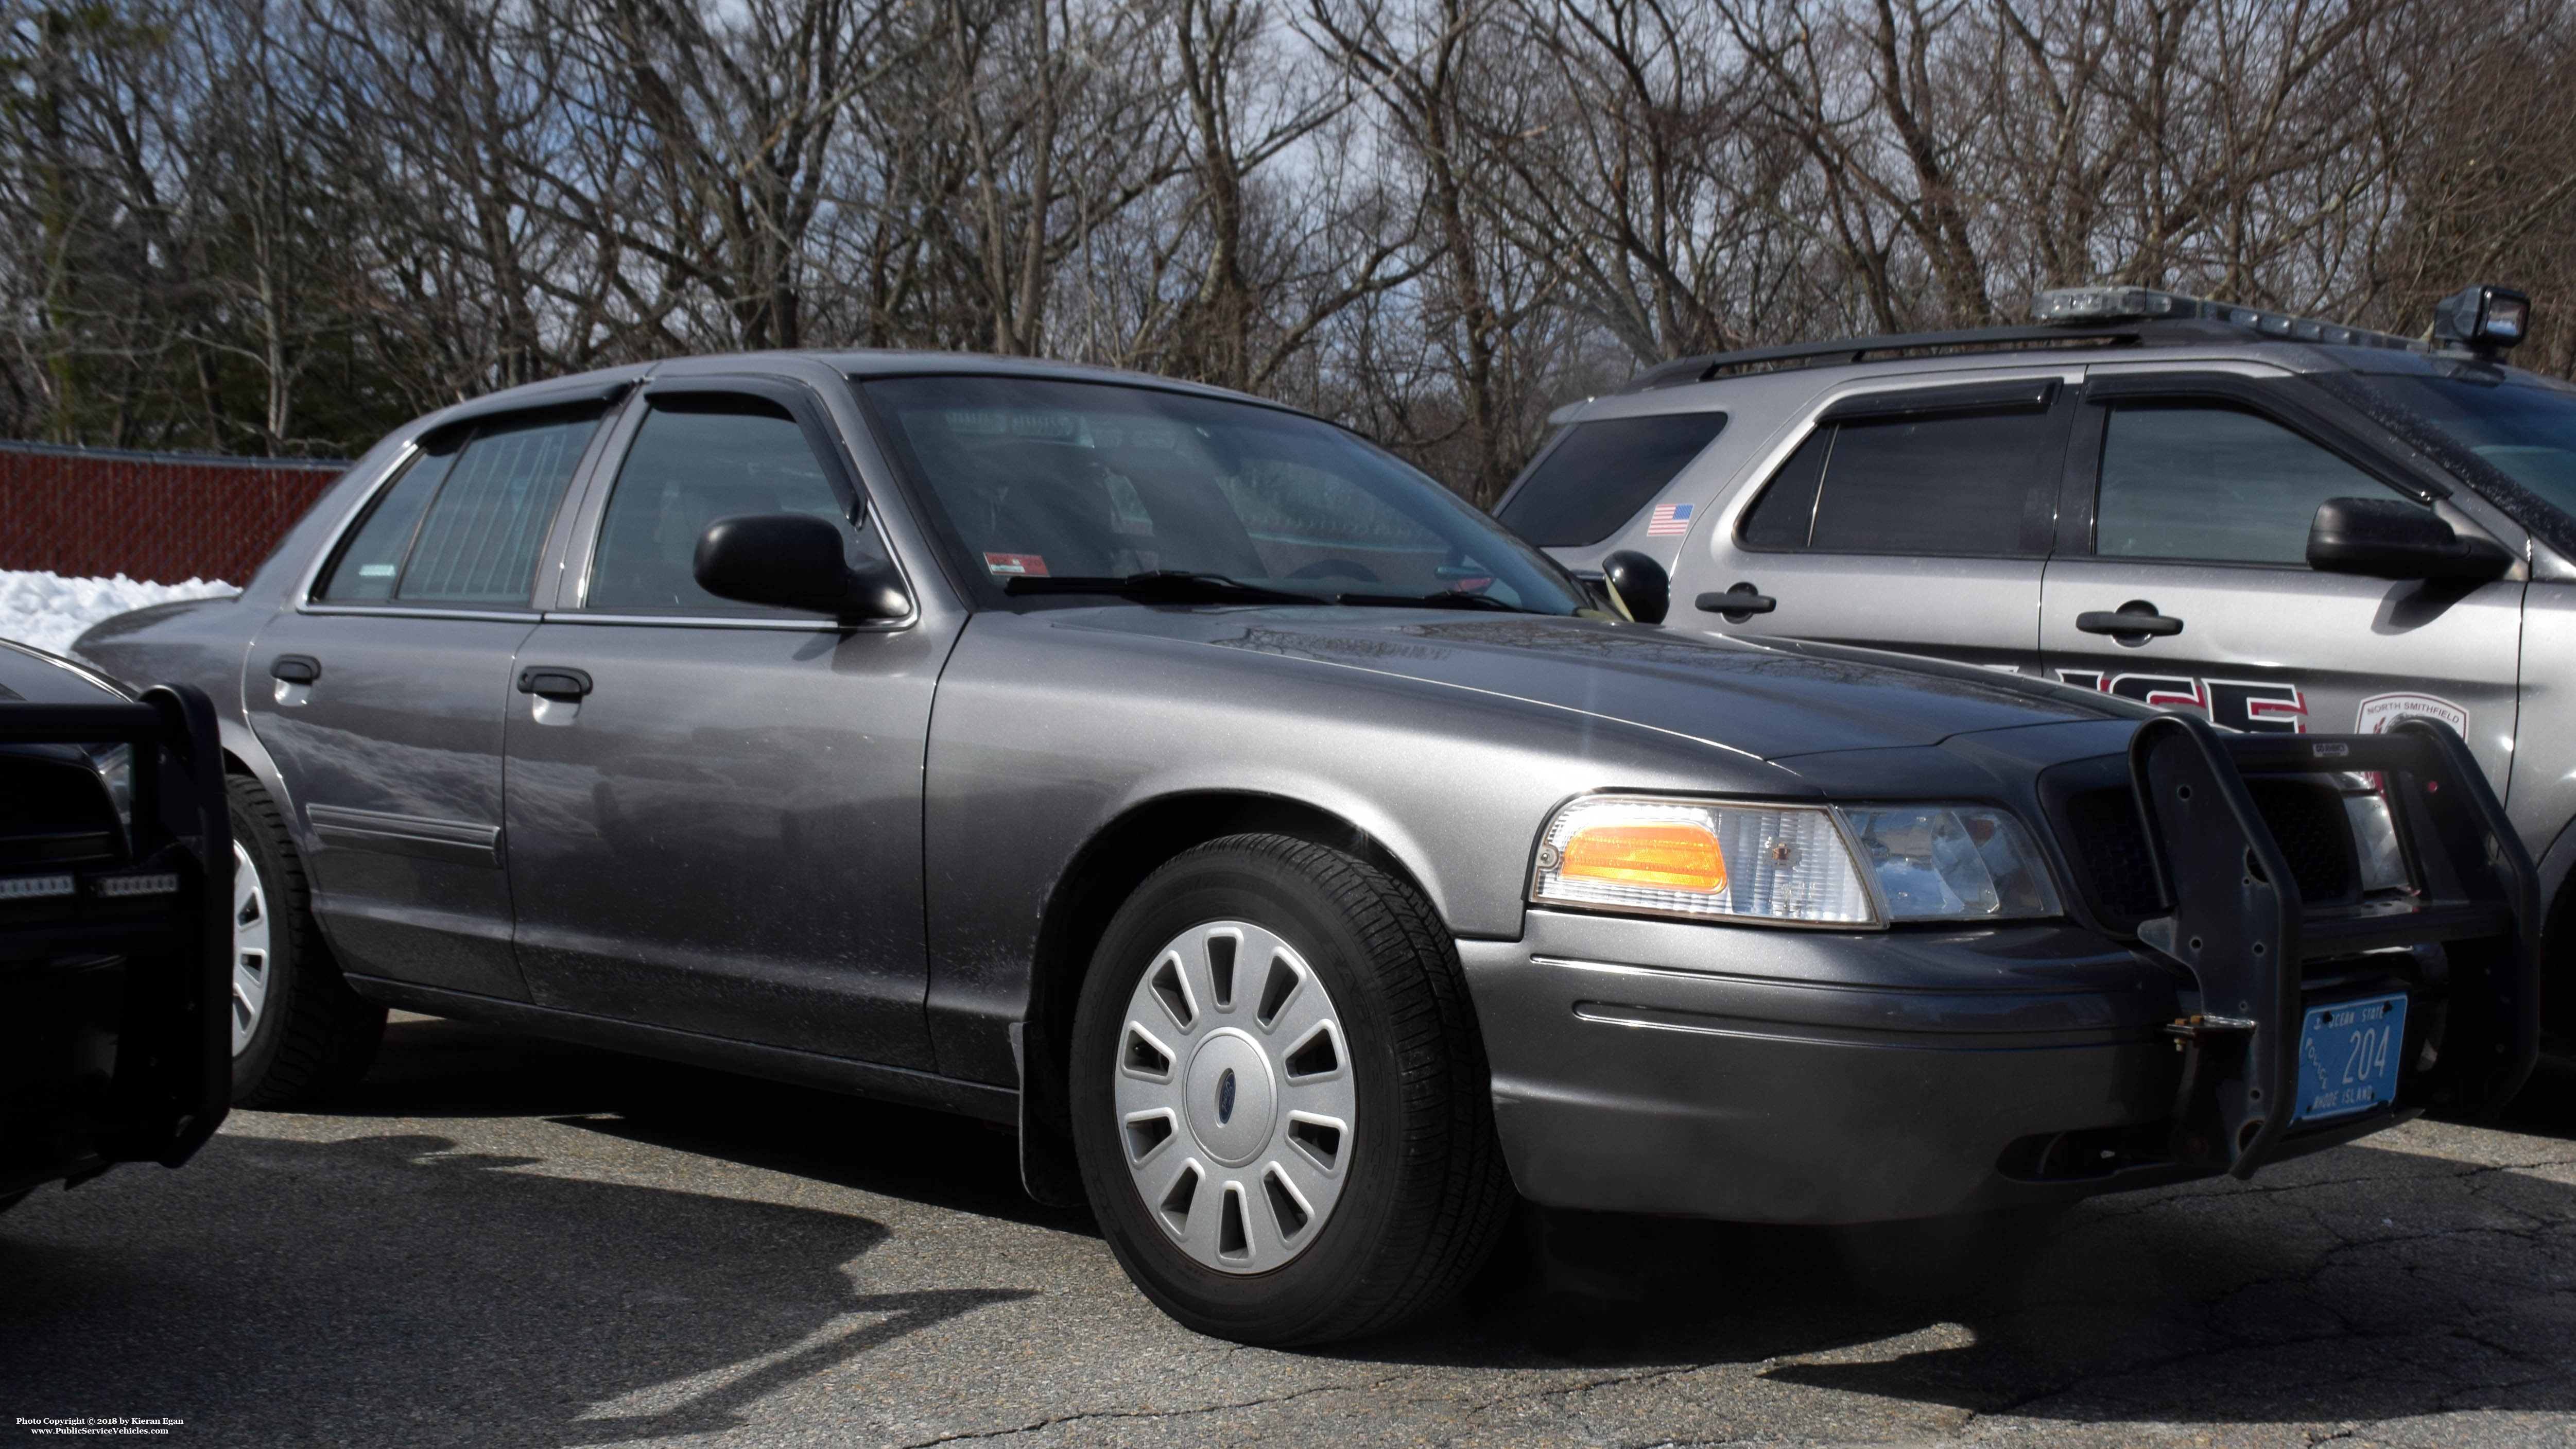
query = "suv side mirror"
{"x": 793, "y": 561}
{"x": 1638, "y": 586}
{"x": 2387, "y": 538}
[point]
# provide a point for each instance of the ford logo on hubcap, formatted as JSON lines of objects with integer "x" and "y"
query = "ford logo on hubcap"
{"x": 1225, "y": 1096}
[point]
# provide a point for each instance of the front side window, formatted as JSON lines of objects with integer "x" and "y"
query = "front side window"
{"x": 1029, "y": 479}
{"x": 465, "y": 521}
{"x": 2191, "y": 481}
{"x": 697, "y": 459}
{"x": 1961, "y": 484}
{"x": 1602, "y": 473}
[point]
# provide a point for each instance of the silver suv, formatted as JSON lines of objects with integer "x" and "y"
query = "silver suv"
{"x": 2277, "y": 523}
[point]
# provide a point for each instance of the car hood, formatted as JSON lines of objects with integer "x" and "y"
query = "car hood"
{"x": 1763, "y": 698}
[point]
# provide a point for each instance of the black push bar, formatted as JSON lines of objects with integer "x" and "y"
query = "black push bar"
{"x": 171, "y": 1082}
{"x": 2463, "y": 941}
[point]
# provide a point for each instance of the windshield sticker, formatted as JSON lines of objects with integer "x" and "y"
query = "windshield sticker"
{"x": 1016, "y": 565}
{"x": 2380, "y": 712}
{"x": 2236, "y": 704}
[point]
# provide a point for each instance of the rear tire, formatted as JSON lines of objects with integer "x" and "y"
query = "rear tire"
{"x": 299, "y": 1032}
{"x": 1418, "y": 1194}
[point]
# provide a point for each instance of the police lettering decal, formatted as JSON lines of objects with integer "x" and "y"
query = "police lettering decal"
{"x": 2380, "y": 711}
{"x": 2237, "y": 704}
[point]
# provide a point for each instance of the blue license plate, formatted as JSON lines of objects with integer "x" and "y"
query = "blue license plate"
{"x": 2348, "y": 1056}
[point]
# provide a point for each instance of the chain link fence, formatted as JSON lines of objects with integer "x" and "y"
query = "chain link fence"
{"x": 167, "y": 517}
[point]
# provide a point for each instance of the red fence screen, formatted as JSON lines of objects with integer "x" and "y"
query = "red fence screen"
{"x": 163, "y": 517}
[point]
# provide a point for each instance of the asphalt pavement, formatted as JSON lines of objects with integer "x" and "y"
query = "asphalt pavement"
{"x": 499, "y": 1241}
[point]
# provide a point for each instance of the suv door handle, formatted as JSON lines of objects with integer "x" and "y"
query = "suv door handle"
{"x": 553, "y": 681}
{"x": 1739, "y": 603}
{"x": 2134, "y": 622}
{"x": 295, "y": 668}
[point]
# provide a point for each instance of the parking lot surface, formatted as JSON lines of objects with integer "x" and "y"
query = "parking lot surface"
{"x": 502, "y": 1242}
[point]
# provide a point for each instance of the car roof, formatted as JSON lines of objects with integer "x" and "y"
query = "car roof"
{"x": 31, "y": 675}
{"x": 854, "y": 363}
{"x": 2295, "y": 345}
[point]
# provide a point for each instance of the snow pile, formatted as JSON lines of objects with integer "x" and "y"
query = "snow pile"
{"x": 50, "y": 611}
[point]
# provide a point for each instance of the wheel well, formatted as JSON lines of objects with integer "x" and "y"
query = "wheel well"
{"x": 1098, "y": 881}
{"x": 236, "y": 765}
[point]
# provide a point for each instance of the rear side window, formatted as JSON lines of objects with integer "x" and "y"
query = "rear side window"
{"x": 2214, "y": 483}
{"x": 1602, "y": 473}
{"x": 1973, "y": 484}
{"x": 368, "y": 565}
{"x": 695, "y": 461}
{"x": 464, "y": 523}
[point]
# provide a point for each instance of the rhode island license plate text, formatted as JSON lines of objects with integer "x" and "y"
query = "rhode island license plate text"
{"x": 2348, "y": 1056}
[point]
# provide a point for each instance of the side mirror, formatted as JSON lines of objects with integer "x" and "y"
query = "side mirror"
{"x": 1638, "y": 585}
{"x": 792, "y": 561}
{"x": 2387, "y": 538}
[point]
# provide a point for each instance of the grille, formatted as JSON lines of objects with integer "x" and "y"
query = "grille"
{"x": 2111, "y": 845}
{"x": 2310, "y": 825}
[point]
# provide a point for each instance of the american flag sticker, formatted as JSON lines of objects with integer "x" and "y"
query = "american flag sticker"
{"x": 1669, "y": 520}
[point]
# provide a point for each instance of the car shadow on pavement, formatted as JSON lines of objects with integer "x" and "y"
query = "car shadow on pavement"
{"x": 432, "y": 1068}
{"x": 399, "y": 1289}
{"x": 300, "y": 1292}
{"x": 2367, "y": 1282}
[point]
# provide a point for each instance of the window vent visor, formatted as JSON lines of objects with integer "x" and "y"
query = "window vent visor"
{"x": 1701, "y": 860}
{"x": 2033, "y": 395}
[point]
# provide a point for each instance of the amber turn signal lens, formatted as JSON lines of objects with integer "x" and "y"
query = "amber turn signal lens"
{"x": 1669, "y": 854}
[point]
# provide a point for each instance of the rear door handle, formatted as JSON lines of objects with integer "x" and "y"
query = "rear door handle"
{"x": 2136, "y": 621}
{"x": 295, "y": 668}
{"x": 1739, "y": 603}
{"x": 553, "y": 681}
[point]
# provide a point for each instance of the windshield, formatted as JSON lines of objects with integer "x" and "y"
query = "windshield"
{"x": 1033, "y": 479}
{"x": 2528, "y": 433}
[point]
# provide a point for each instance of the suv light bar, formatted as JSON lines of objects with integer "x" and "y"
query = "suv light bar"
{"x": 2482, "y": 319}
{"x": 2125, "y": 304}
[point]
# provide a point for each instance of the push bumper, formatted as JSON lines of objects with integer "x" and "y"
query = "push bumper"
{"x": 1780, "y": 1075}
{"x": 117, "y": 1046}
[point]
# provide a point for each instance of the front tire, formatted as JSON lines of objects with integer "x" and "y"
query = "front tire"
{"x": 299, "y": 1033}
{"x": 1342, "y": 1174}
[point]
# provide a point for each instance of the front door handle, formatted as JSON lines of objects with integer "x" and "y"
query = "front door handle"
{"x": 295, "y": 669}
{"x": 553, "y": 681}
{"x": 2134, "y": 622}
{"x": 1739, "y": 603}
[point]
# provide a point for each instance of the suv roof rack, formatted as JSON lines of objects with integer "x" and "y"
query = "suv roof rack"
{"x": 2065, "y": 318}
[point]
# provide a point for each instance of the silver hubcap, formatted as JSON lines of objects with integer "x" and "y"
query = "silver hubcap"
{"x": 1235, "y": 1097}
{"x": 250, "y": 948}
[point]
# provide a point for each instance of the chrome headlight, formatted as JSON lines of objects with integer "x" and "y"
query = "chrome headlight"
{"x": 1693, "y": 858}
{"x": 1953, "y": 862}
{"x": 115, "y": 766}
{"x": 1802, "y": 864}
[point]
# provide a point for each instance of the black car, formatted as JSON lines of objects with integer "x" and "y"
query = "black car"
{"x": 117, "y": 919}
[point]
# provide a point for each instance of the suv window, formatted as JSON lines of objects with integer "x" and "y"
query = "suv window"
{"x": 2201, "y": 482}
{"x": 695, "y": 460}
{"x": 464, "y": 522}
{"x": 1602, "y": 473}
{"x": 1961, "y": 483}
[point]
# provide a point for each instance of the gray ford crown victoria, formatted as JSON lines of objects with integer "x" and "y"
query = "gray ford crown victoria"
{"x": 1301, "y": 861}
